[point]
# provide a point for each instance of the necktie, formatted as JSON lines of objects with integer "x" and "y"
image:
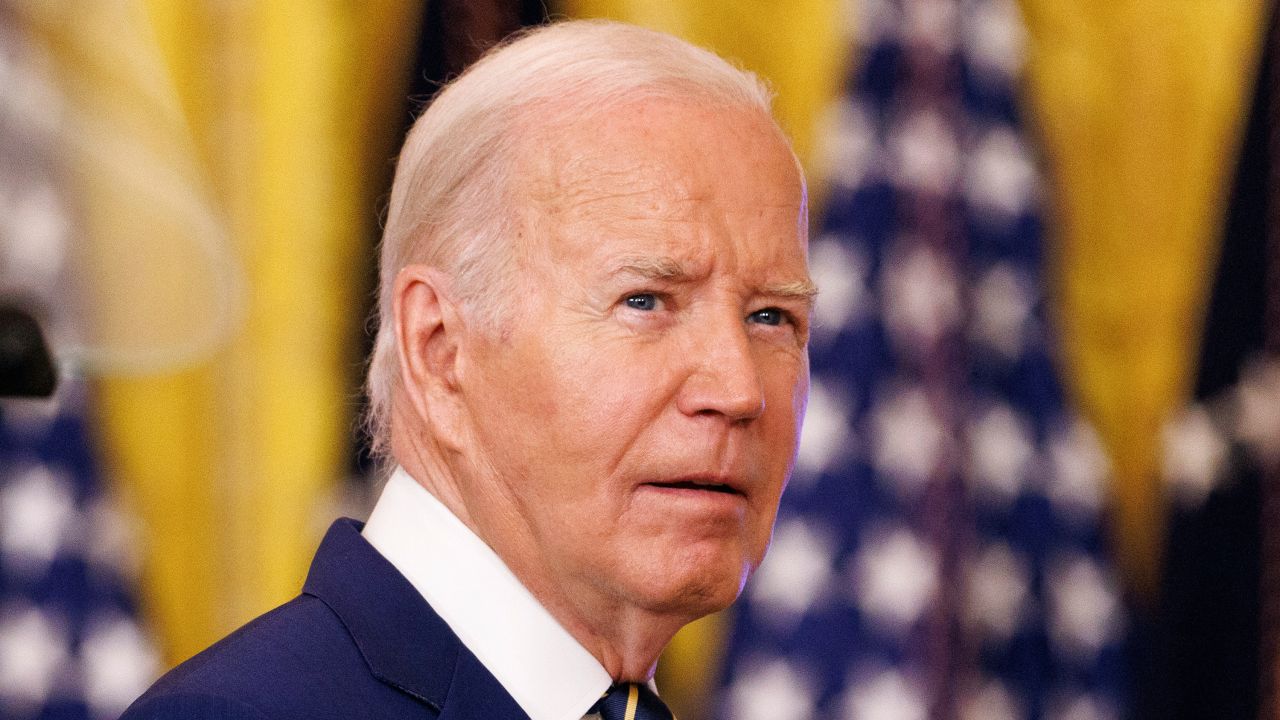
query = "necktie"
{"x": 631, "y": 701}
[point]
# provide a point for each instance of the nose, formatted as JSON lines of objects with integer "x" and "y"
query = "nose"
{"x": 723, "y": 378}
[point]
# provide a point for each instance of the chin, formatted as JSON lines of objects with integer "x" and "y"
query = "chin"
{"x": 696, "y": 589}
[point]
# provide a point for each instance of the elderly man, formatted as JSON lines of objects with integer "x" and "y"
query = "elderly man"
{"x": 590, "y": 374}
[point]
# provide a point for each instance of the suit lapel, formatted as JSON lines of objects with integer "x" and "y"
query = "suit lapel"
{"x": 476, "y": 695}
{"x": 403, "y": 640}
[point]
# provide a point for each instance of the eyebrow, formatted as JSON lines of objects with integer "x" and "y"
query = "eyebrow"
{"x": 670, "y": 270}
{"x": 651, "y": 268}
{"x": 803, "y": 290}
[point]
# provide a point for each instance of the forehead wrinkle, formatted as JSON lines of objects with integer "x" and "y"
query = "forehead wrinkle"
{"x": 629, "y": 198}
{"x": 572, "y": 194}
{"x": 572, "y": 176}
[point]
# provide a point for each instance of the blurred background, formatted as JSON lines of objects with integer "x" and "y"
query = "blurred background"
{"x": 1039, "y": 472}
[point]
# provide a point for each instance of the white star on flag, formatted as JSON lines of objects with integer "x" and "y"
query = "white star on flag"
{"x": 841, "y": 271}
{"x": 932, "y": 23}
{"x": 995, "y": 39}
{"x": 1081, "y": 707}
{"x": 999, "y": 177}
{"x": 924, "y": 151}
{"x": 922, "y": 297}
{"x": 33, "y": 651}
{"x": 886, "y": 696}
{"x": 907, "y": 439}
{"x": 119, "y": 664}
{"x": 1195, "y": 454}
{"x": 773, "y": 691}
{"x": 826, "y": 436}
{"x": 998, "y": 584}
{"x": 1077, "y": 482}
{"x": 847, "y": 135}
{"x": 1001, "y": 311}
{"x": 36, "y": 508}
{"x": 1085, "y": 612}
{"x": 1258, "y": 411}
{"x": 793, "y": 576}
{"x": 1000, "y": 449}
{"x": 990, "y": 702}
{"x": 895, "y": 577}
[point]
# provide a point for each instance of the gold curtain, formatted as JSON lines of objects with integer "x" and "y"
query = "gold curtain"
{"x": 227, "y": 154}
{"x": 799, "y": 47}
{"x": 1139, "y": 105}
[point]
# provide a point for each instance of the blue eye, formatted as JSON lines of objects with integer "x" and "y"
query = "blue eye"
{"x": 642, "y": 301}
{"x": 767, "y": 316}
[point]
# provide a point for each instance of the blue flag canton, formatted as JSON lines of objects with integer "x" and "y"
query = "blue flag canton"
{"x": 70, "y": 643}
{"x": 939, "y": 552}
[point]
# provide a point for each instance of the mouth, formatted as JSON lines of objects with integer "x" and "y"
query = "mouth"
{"x": 713, "y": 485}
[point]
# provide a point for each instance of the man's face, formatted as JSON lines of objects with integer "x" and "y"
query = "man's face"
{"x": 636, "y": 422}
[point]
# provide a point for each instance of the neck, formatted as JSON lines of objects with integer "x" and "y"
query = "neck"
{"x": 625, "y": 639}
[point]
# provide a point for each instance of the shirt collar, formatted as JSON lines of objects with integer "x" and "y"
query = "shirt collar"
{"x": 548, "y": 673}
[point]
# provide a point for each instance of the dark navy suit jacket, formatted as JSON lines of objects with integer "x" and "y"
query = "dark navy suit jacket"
{"x": 359, "y": 642}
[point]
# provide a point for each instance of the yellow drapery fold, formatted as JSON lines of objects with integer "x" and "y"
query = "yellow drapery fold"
{"x": 798, "y": 47}
{"x": 1140, "y": 104}
{"x": 262, "y": 128}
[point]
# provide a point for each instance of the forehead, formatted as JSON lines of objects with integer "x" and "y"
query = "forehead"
{"x": 670, "y": 177}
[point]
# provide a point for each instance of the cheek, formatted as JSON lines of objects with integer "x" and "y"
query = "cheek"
{"x": 572, "y": 413}
{"x": 787, "y": 388}
{"x": 800, "y": 397}
{"x": 608, "y": 390}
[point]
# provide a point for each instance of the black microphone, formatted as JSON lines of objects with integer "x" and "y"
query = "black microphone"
{"x": 26, "y": 369}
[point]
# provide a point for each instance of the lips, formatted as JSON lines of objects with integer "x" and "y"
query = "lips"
{"x": 715, "y": 485}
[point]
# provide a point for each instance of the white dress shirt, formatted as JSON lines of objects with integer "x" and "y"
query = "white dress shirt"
{"x": 548, "y": 673}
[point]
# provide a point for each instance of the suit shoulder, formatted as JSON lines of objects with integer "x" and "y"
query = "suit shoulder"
{"x": 302, "y": 634}
{"x": 295, "y": 661}
{"x": 190, "y": 706}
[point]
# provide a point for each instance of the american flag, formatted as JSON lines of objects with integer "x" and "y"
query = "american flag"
{"x": 939, "y": 552}
{"x": 71, "y": 645}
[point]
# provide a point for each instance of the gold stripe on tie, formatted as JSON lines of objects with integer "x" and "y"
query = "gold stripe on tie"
{"x": 633, "y": 700}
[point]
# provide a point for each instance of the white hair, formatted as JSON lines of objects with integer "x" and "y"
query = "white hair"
{"x": 452, "y": 201}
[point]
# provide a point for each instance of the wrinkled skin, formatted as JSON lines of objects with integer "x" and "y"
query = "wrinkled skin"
{"x": 624, "y": 440}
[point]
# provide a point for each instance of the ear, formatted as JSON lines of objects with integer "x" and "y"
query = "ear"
{"x": 428, "y": 331}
